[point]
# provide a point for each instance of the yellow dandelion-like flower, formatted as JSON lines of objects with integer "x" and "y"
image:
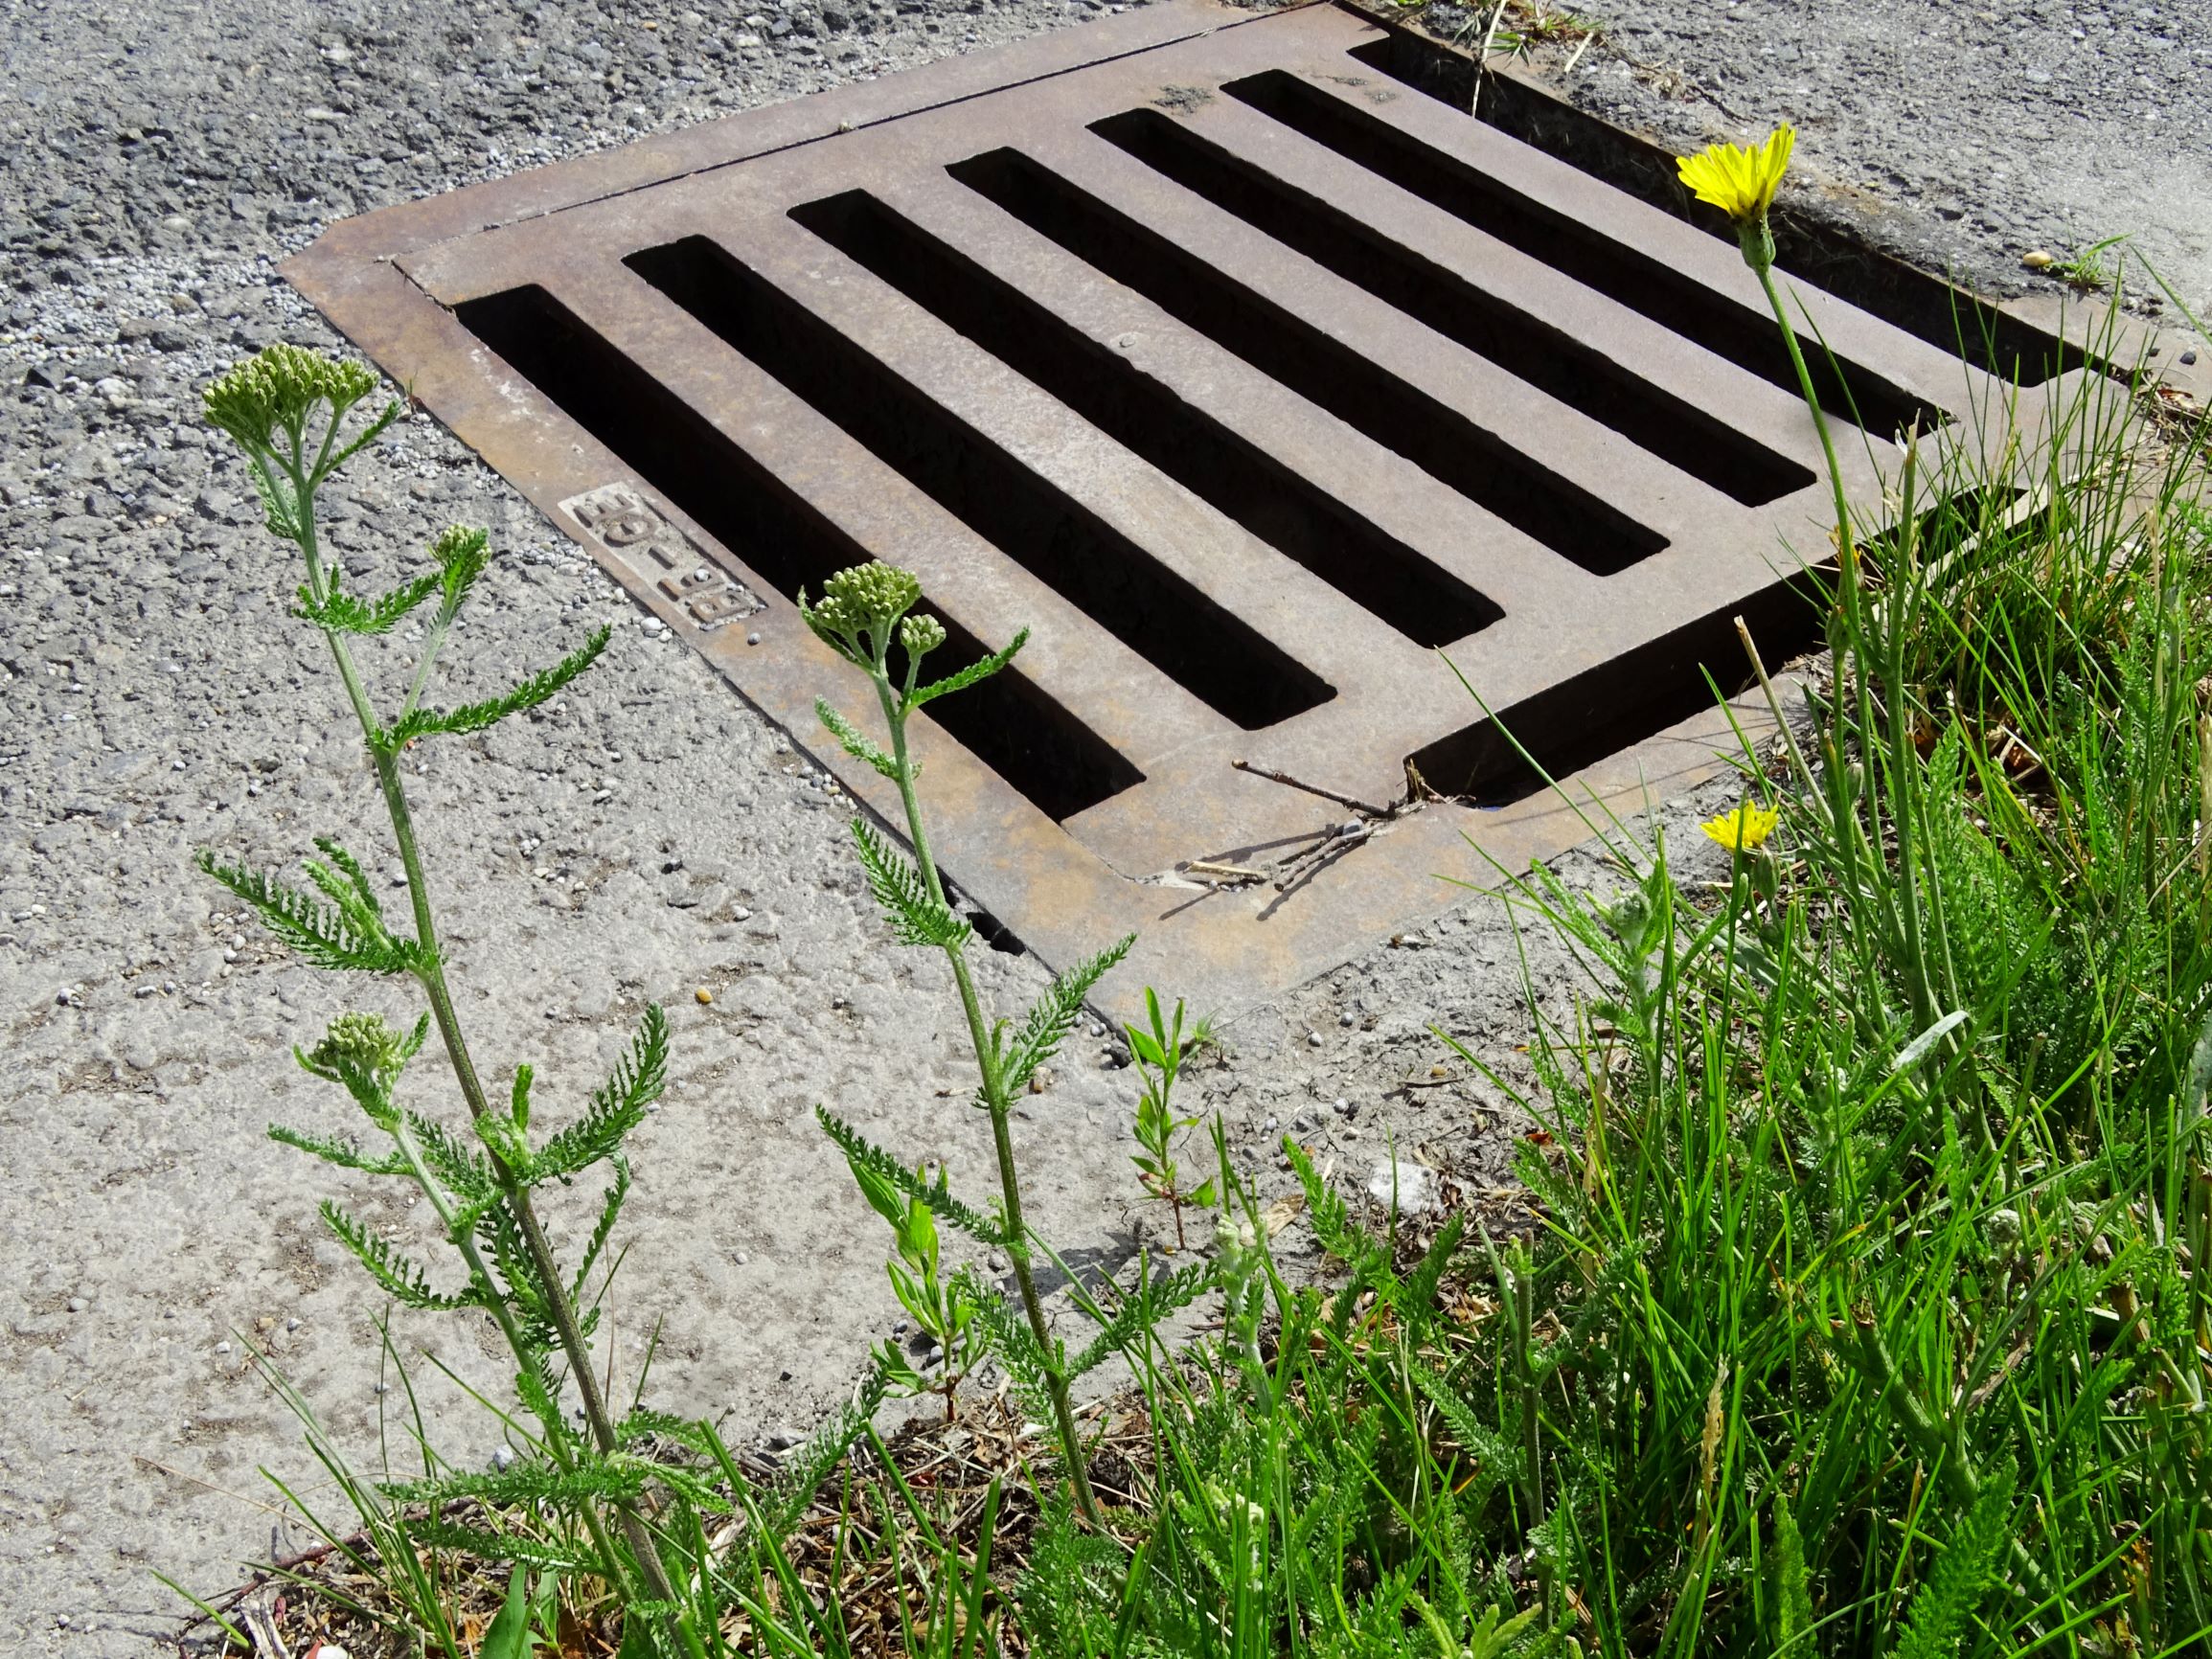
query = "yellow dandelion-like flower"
{"x": 1738, "y": 180}
{"x": 1743, "y": 829}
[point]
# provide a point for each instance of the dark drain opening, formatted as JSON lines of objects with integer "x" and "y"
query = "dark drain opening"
{"x": 1674, "y": 430}
{"x": 1925, "y": 306}
{"x": 1440, "y": 441}
{"x": 1164, "y": 619}
{"x": 1619, "y": 703}
{"x": 1743, "y": 337}
{"x": 1373, "y": 569}
{"x": 1007, "y": 721}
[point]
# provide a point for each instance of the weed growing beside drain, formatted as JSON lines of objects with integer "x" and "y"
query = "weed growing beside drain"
{"x": 1855, "y": 1303}
{"x": 1242, "y": 375}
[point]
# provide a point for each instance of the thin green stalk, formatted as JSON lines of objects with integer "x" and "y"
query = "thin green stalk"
{"x": 1854, "y": 607}
{"x": 431, "y": 975}
{"x": 994, "y": 1099}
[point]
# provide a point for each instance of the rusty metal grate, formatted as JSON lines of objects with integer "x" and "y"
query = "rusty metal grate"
{"x": 1241, "y": 374}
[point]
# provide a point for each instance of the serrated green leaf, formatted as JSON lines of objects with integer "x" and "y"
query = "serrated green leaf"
{"x": 319, "y": 933}
{"x": 617, "y": 1106}
{"x": 344, "y": 1151}
{"x": 914, "y": 916}
{"x": 1054, "y": 1016}
{"x": 969, "y": 675}
{"x": 402, "y": 1279}
{"x": 540, "y": 688}
{"x": 343, "y": 613}
{"x": 1154, "y": 1299}
{"x": 857, "y": 743}
{"x": 934, "y": 1196}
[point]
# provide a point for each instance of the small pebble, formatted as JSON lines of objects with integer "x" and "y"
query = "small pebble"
{"x": 704, "y": 995}
{"x": 752, "y": 639}
{"x": 2188, "y": 357}
{"x": 2037, "y": 261}
{"x": 502, "y": 1459}
{"x": 223, "y": 1348}
{"x": 1348, "y": 1019}
{"x": 1313, "y": 1039}
{"x": 742, "y": 1259}
{"x": 77, "y": 1305}
{"x": 292, "y": 1324}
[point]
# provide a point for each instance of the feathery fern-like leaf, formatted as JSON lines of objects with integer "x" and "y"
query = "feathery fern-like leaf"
{"x": 1962, "y": 1576}
{"x": 317, "y": 932}
{"x": 529, "y": 1481}
{"x": 453, "y": 1160}
{"x": 617, "y": 1106}
{"x": 969, "y": 675}
{"x": 1054, "y": 1016}
{"x": 540, "y": 688}
{"x": 1007, "y": 1334}
{"x": 1484, "y": 1446}
{"x": 609, "y": 1208}
{"x": 342, "y": 1151}
{"x": 812, "y": 1463}
{"x": 915, "y": 917}
{"x": 515, "y": 1547}
{"x": 1154, "y": 1301}
{"x": 1793, "y": 1594}
{"x": 347, "y": 614}
{"x": 402, "y": 1280}
{"x": 862, "y": 1153}
{"x": 856, "y": 742}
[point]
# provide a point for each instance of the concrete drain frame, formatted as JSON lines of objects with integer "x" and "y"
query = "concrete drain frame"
{"x": 1204, "y": 345}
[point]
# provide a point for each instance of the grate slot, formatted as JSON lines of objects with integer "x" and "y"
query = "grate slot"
{"x": 1592, "y": 383}
{"x": 1190, "y": 638}
{"x": 1372, "y": 568}
{"x": 1930, "y": 309}
{"x": 1008, "y": 721}
{"x": 1669, "y": 297}
{"x": 1440, "y": 441}
{"x": 1618, "y": 704}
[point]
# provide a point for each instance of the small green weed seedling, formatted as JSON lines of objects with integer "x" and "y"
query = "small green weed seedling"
{"x": 1159, "y": 1057}
{"x": 943, "y": 1310}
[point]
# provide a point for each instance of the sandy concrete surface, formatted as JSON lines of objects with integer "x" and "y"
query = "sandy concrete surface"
{"x": 649, "y": 838}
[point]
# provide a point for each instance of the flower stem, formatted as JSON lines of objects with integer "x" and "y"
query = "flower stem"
{"x": 994, "y": 1100}
{"x": 513, "y": 1194}
{"x": 1898, "y": 722}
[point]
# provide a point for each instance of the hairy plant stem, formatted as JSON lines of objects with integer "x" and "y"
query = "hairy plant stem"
{"x": 994, "y": 1099}
{"x": 431, "y": 975}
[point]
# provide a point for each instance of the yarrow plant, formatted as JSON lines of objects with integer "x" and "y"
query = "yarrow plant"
{"x": 863, "y": 614}
{"x": 287, "y": 410}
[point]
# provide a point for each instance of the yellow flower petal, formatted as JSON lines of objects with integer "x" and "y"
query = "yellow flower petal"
{"x": 1743, "y": 829}
{"x": 1738, "y": 180}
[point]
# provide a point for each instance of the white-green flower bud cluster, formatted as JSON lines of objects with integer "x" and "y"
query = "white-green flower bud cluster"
{"x": 858, "y": 607}
{"x": 275, "y": 389}
{"x": 365, "y": 1042}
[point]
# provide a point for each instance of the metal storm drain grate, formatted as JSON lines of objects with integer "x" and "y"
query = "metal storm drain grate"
{"x": 1241, "y": 374}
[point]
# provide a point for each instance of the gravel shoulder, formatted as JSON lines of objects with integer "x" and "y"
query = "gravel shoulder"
{"x": 649, "y": 838}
